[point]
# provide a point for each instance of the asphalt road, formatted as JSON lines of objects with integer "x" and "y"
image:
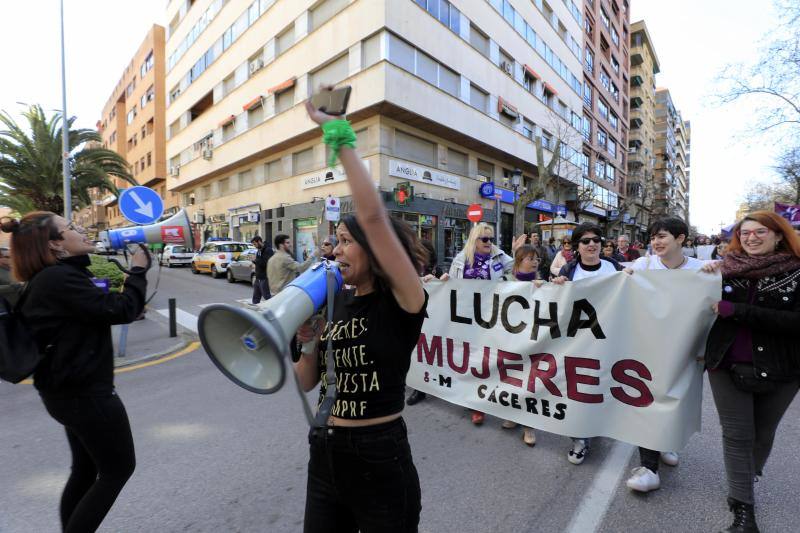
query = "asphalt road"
{"x": 212, "y": 457}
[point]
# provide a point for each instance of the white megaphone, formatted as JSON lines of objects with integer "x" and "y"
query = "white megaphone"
{"x": 249, "y": 347}
{"x": 175, "y": 230}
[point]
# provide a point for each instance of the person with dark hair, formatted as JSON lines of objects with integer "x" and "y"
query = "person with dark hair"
{"x": 667, "y": 236}
{"x": 282, "y": 267}
{"x": 720, "y": 249}
{"x": 361, "y": 475}
{"x": 563, "y": 256}
{"x": 70, "y": 320}
{"x": 327, "y": 246}
{"x": 587, "y": 239}
{"x": 10, "y": 289}
{"x": 752, "y": 353}
{"x": 689, "y": 249}
{"x": 260, "y": 283}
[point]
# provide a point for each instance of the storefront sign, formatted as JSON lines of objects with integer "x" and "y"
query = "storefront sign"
{"x": 332, "y": 209}
{"x": 326, "y": 176}
{"x": 490, "y": 190}
{"x": 401, "y": 169}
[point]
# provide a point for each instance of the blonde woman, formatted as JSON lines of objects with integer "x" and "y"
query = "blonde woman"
{"x": 481, "y": 259}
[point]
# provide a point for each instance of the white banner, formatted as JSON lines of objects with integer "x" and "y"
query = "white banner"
{"x": 614, "y": 356}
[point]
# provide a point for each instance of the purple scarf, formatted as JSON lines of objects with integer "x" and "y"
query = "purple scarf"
{"x": 741, "y": 265}
{"x": 522, "y": 276}
{"x": 479, "y": 269}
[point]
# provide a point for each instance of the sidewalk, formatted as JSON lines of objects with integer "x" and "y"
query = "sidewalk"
{"x": 147, "y": 339}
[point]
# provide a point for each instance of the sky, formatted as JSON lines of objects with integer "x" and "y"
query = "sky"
{"x": 694, "y": 40}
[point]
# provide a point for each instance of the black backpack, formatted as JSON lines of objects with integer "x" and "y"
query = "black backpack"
{"x": 19, "y": 354}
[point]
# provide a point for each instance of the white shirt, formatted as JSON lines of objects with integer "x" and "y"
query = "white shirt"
{"x": 606, "y": 268}
{"x": 653, "y": 262}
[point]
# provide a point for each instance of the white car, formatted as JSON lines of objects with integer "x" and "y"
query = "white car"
{"x": 214, "y": 257}
{"x": 176, "y": 254}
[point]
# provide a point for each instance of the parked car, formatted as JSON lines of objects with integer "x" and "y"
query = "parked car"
{"x": 176, "y": 254}
{"x": 214, "y": 257}
{"x": 243, "y": 268}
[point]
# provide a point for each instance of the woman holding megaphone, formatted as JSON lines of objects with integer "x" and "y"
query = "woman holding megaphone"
{"x": 361, "y": 476}
{"x": 70, "y": 319}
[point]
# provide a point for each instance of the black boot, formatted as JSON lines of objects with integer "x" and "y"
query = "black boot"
{"x": 744, "y": 518}
{"x": 416, "y": 397}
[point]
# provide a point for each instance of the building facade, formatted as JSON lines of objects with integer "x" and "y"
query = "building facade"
{"x": 132, "y": 124}
{"x": 642, "y": 139}
{"x": 672, "y": 139}
{"x": 606, "y": 66}
{"x": 443, "y": 98}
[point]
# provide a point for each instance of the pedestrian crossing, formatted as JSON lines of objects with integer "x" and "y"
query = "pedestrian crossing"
{"x": 188, "y": 320}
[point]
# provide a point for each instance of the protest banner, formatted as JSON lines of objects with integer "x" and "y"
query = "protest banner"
{"x": 614, "y": 356}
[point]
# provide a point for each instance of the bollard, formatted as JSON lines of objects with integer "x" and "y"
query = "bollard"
{"x": 173, "y": 328}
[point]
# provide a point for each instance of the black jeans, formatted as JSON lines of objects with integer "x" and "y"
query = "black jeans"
{"x": 260, "y": 290}
{"x": 103, "y": 458}
{"x": 748, "y": 424}
{"x": 362, "y": 479}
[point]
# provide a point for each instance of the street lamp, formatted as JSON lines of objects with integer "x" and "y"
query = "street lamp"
{"x": 516, "y": 179}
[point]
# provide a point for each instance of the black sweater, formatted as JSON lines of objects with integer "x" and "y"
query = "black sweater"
{"x": 71, "y": 322}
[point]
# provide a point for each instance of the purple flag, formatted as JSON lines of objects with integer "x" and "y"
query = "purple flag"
{"x": 789, "y": 212}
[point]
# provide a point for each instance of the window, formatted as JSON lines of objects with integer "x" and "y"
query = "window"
{"x": 457, "y": 162}
{"x": 478, "y": 98}
{"x": 224, "y": 186}
{"x": 586, "y": 128}
{"x": 131, "y": 114}
{"x": 605, "y": 81}
{"x": 427, "y": 68}
{"x": 325, "y": 11}
{"x": 255, "y": 115}
{"x": 414, "y": 148}
{"x": 615, "y": 64}
{"x": 589, "y": 60}
{"x": 284, "y": 100}
{"x": 528, "y": 128}
{"x": 614, "y": 36}
{"x": 449, "y": 81}
{"x": 602, "y": 108}
{"x": 147, "y": 65}
{"x": 602, "y": 137}
{"x": 614, "y": 121}
{"x": 599, "y": 169}
{"x": 174, "y": 93}
{"x": 615, "y": 92}
{"x": 587, "y": 94}
{"x": 228, "y": 85}
{"x": 479, "y": 40}
{"x": 174, "y": 128}
{"x": 547, "y": 140}
{"x": 604, "y": 18}
{"x": 273, "y": 170}
{"x": 284, "y": 41}
{"x": 401, "y": 53}
{"x": 245, "y": 180}
{"x": 610, "y": 173}
{"x": 371, "y": 50}
{"x": 148, "y": 96}
{"x": 485, "y": 170}
{"x": 612, "y": 148}
{"x": 149, "y": 159}
{"x": 303, "y": 161}
{"x": 584, "y": 165}
{"x": 332, "y": 73}
{"x": 228, "y": 130}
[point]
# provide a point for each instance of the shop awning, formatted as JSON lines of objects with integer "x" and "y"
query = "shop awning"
{"x": 506, "y": 108}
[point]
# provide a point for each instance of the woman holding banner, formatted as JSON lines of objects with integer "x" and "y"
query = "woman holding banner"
{"x": 361, "y": 475}
{"x": 481, "y": 259}
{"x": 587, "y": 263}
{"x": 70, "y": 320}
{"x": 752, "y": 352}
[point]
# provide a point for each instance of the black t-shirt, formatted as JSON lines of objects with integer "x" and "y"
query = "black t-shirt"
{"x": 372, "y": 342}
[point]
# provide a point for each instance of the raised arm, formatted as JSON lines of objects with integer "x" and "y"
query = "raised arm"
{"x": 374, "y": 219}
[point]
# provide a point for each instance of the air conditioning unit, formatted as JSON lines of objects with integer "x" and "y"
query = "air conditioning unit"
{"x": 208, "y": 153}
{"x": 175, "y": 171}
{"x": 507, "y": 67}
{"x": 199, "y": 218}
{"x": 256, "y": 65}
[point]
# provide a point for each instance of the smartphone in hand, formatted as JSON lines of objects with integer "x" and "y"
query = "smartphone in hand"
{"x": 332, "y": 101}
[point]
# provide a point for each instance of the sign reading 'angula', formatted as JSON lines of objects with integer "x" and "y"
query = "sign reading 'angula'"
{"x": 326, "y": 176}
{"x": 401, "y": 169}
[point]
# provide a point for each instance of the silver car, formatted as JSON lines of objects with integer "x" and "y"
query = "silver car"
{"x": 176, "y": 254}
{"x": 243, "y": 268}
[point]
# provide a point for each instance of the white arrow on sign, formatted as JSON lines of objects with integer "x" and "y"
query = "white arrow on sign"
{"x": 144, "y": 208}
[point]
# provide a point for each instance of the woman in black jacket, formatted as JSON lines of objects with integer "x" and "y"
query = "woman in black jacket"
{"x": 752, "y": 353}
{"x": 71, "y": 322}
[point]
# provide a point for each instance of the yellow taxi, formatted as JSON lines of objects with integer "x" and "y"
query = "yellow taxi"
{"x": 214, "y": 257}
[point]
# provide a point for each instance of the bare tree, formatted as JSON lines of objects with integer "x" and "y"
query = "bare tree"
{"x": 774, "y": 81}
{"x": 788, "y": 169}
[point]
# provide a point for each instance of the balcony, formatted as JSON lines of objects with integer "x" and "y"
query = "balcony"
{"x": 636, "y": 81}
{"x": 636, "y": 123}
{"x": 636, "y": 102}
{"x": 636, "y": 59}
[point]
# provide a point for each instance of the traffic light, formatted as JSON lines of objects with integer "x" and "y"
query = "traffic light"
{"x": 403, "y": 194}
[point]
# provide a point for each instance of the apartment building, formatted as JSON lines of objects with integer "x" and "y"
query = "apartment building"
{"x": 132, "y": 123}
{"x": 446, "y": 96}
{"x": 642, "y": 139}
{"x": 672, "y": 140}
{"x": 606, "y": 66}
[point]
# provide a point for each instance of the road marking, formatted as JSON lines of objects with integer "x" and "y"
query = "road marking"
{"x": 192, "y": 346}
{"x": 203, "y": 306}
{"x": 187, "y": 320}
{"x": 589, "y": 516}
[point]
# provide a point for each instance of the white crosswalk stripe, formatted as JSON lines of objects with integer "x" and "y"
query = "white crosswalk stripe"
{"x": 187, "y": 320}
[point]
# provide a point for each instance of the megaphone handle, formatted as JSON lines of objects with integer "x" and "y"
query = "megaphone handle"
{"x": 330, "y": 366}
{"x": 127, "y": 271}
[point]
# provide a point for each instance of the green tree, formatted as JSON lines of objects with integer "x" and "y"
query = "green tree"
{"x": 31, "y": 165}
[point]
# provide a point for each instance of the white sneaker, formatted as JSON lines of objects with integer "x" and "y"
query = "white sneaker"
{"x": 643, "y": 480}
{"x": 508, "y": 424}
{"x": 669, "y": 458}
{"x": 580, "y": 448}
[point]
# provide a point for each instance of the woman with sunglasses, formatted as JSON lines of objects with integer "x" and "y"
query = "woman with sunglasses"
{"x": 326, "y": 248}
{"x": 587, "y": 263}
{"x": 481, "y": 259}
{"x": 70, "y": 319}
{"x": 564, "y": 256}
{"x": 752, "y": 351}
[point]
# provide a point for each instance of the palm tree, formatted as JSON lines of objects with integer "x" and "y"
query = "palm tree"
{"x": 31, "y": 166}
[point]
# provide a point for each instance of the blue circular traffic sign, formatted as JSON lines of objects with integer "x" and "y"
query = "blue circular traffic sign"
{"x": 141, "y": 205}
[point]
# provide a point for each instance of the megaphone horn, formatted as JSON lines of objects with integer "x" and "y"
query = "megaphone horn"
{"x": 249, "y": 347}
{"x": 175, "y": 230}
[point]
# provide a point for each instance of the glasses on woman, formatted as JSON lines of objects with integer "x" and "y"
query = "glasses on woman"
{"x": 744, "y": 234}
{"x": 587, "y": 240}
{"x": 484, "y": 240}
{"x": 74, "y": 227}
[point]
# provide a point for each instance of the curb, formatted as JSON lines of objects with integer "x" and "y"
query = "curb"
{"x": 122, "y": 362}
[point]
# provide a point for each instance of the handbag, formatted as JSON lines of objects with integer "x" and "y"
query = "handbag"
{"x": 19, "y": 354}
{"x": 745, "y": 379}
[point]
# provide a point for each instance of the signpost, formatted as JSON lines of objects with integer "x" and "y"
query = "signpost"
{"x": 475, "y": 213}
{"x": 332, "y": 209}
{"x": 141, "y": 205}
